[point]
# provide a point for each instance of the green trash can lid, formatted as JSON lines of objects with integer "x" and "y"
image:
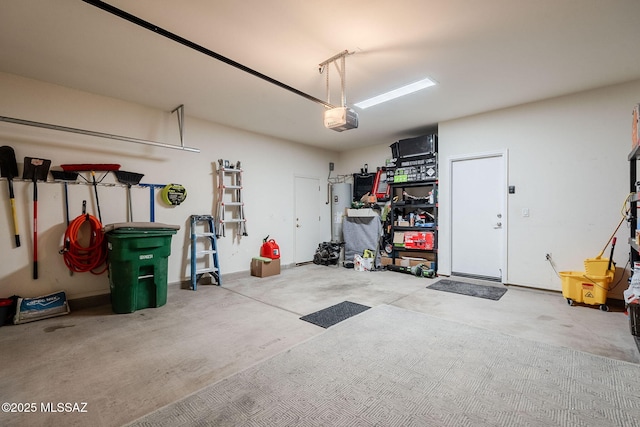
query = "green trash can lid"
{"x": 140, "y": 226}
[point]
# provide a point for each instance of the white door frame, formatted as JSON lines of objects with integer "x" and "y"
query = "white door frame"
{"x": 504, "y": 154}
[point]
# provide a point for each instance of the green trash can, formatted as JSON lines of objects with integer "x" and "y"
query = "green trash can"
{"x": 138, "y": 257}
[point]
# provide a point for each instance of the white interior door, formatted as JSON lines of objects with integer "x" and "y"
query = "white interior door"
{"x": 307, "y": 218}
{"x": 478, "y": 222}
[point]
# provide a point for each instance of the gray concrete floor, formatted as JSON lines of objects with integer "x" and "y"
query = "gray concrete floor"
{"x": 124, "y": 366}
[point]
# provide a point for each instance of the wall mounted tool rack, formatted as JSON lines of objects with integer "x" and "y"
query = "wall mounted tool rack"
{"x": 90, "y": 184}
{"x": 152, "y": 188}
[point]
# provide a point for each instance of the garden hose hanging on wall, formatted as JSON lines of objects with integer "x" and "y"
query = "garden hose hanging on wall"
{"x": 79, "y": 258}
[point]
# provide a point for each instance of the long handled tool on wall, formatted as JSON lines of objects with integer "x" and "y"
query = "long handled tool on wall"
{"x": 35, "y": 169}
{"x": 93, "y": 168}
{"x": 9, "y": 170}
{"x": 128, "y": 178}
{"x": 65, "y": 178}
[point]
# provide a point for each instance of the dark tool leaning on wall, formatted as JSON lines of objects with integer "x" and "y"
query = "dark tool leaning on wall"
{"x": 65, "y": 178}
{"x": 35, "y": 169}
{"x": 93, "y": 168}
{"x": 9, "y": 170}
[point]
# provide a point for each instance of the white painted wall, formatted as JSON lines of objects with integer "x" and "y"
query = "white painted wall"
{"x": 351, "y": 161}
{"x": 268, "y": 182}
{"x": 568, "y": 161}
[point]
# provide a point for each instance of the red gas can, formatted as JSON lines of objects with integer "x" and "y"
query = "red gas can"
{"x": 270, "y": 249}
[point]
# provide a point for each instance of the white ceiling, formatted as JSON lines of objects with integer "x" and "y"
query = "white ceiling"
{"x": 485, "y": 55}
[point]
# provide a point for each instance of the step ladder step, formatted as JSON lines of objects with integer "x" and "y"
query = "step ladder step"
{"x": 232, "y": 220}
{"x": 232, "y": 187}
{"x": 206, "y": 270}
{"x": 232, "y": 204}
{"x": 205, "y": 234}
{"x": 207, "y": 251}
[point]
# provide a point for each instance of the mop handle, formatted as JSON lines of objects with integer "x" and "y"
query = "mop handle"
{"x": 613, "y": 245}
{"x": 610, "y": 238}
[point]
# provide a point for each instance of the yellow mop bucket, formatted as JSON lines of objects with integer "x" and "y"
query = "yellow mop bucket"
{"x": 581, "y": 287}
{"x": 592, "y": 285}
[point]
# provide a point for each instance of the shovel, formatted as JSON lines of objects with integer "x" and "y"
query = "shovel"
{"x": 35, "y": 169}
{"x": 9, "y": 170}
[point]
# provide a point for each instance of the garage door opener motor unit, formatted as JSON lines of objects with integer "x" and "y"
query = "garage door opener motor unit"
{"x": 338, "y": 118}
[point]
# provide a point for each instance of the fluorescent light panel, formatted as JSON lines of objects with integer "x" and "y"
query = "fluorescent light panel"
{"x": 396, "y": 93}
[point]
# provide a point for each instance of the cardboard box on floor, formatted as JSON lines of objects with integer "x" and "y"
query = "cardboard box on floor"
{"x": 409, "y": 259}
{"x": 265, "y": 267}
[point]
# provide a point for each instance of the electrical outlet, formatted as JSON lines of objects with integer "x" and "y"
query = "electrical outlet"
{"x": 331, "y": 166}
{"x": 548, "y": 257}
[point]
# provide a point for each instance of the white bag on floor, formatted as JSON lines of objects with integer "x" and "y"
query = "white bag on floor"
{"x": 362, "y": 264}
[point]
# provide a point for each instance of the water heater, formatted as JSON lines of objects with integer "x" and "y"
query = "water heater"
{"x": 340, "y": 200}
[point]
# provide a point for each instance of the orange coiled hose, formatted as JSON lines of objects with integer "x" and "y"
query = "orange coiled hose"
{"x": 92, "y": 257}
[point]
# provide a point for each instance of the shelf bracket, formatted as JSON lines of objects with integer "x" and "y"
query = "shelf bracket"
{"x": 180, "y": 114}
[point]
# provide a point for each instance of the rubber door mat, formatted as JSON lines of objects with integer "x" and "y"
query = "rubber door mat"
{"x": 471, "y": 289}
{"x": 335, "y": 314}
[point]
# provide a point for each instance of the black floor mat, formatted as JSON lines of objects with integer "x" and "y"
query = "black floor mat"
{"x": 334, "y": 314}
{"x": 471, "y": 289}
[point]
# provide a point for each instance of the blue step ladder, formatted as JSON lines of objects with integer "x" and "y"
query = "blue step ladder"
{"x": 208, "y": 240}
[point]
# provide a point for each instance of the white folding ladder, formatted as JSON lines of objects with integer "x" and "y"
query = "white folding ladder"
{"x": 230, "y": 205}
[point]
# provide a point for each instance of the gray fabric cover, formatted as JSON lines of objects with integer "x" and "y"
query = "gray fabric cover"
{"x": 361, "y": 233}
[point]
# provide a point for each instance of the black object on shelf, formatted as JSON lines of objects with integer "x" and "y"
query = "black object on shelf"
{"x": 411, "y": 147}
{"x": 362, "y": 184}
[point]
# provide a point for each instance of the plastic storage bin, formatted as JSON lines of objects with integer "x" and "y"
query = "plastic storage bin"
{"x": 578, "y": 286}
{"x": 138, "y": 255}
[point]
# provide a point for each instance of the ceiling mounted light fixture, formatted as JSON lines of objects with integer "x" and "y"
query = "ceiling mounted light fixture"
{"x": 396, "y": 93}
